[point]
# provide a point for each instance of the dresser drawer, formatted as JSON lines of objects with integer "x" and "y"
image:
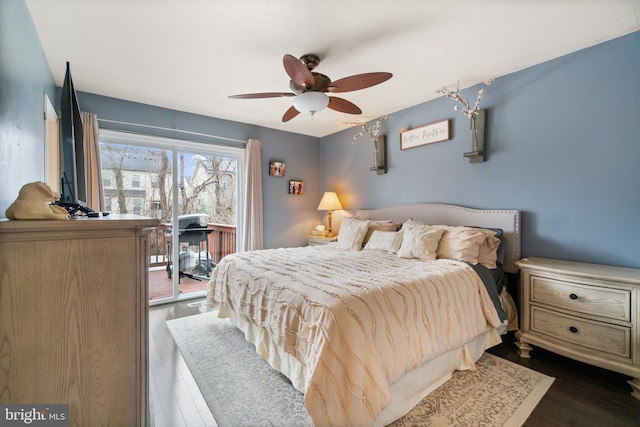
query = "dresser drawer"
{"x": 603, "y": 337}
{"x": 588, "y": 299}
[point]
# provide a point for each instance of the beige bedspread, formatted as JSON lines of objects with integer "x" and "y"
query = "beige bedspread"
{"x": 356, "y": 321}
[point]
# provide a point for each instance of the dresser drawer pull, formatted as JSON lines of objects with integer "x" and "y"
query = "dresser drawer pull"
{"x": 573, "y": 296}
{"x": 573, "y": 329}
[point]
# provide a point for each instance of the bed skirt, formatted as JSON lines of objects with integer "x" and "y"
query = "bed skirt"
{"x": 406, "y": 392}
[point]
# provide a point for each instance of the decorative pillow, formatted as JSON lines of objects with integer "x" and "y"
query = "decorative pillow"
{"x": 382, "y": 225}
{"x": 408, "y": 224}
{"x": 491, "y": 253}
{"x": 388, "y": 241}
{"x": 488, "y": 252}
{"x": 352, "y": 232}
{"x": 463, "y": 243}
{"x": 411, "y": 223}
{"x": 420, "y": 242}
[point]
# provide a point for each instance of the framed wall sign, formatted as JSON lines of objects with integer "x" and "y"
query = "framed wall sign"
{"x": 427, "y": 134}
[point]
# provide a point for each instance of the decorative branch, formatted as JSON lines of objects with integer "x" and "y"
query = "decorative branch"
{"x": 372, "y": 132}
{"x": 466, "y": 108}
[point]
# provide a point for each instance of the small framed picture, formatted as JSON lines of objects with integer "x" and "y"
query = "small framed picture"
{"x": 296, "y": 188}
{"x": 276, "y": 168}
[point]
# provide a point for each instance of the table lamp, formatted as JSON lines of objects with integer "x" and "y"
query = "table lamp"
{"x": 329, "y": 203}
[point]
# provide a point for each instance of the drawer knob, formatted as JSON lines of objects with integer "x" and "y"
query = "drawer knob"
{"x": 573, "y": 296}
{"x": 573, "y": 329}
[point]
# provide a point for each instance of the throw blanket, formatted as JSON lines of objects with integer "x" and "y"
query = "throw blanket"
{"x": 356, "y": 320}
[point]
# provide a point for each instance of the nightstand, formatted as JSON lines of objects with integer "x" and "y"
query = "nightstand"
{"x": 320, "y": 240}
{"x": 587, "y": 312}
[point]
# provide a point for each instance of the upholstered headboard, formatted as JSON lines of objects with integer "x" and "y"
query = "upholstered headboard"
{"x": 437, "y": 213}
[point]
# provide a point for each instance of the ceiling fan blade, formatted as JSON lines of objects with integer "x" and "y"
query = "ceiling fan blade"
{"x": 262, "y": 95}
{"x": 290, "y": 114}
{"x": 357, "y": 82}
{"x": 343, "y": 105}
{"x": 297, "y": 71}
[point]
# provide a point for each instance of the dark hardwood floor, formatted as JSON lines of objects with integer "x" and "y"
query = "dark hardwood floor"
{"x": 581, "y": 395}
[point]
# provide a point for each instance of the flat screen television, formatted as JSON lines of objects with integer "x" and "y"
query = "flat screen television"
{"x": 73, "y": 193}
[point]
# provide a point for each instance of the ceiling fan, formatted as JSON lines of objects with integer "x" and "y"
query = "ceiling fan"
{"x": 309, "y": 88}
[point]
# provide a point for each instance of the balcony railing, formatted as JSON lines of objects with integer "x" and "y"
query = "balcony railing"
{"x": 222, "y": 242}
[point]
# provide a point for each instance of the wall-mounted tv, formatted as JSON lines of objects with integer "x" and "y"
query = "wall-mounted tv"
{"x": 73, "y": 194}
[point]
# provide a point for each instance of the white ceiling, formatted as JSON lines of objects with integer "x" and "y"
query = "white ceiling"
{"x": 190, "y": 55}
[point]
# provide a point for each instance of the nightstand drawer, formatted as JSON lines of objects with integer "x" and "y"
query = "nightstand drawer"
{"x": 599, "y": 336}
{"x": 598, "y": 301}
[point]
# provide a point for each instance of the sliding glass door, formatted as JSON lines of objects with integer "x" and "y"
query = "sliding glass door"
{"x": 192, "y": 188}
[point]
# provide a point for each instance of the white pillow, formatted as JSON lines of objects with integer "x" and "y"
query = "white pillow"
{"x": 383, "y": 225}
{"x": 352, "y": 232}
{"x": 411, "y": 223}
{"x": 420, "y": 242}
{"x": 388, "y": 241}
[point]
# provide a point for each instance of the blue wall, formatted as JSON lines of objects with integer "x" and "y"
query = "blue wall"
{"x": 564, "y": 148}
{"x": 24, "y": 79}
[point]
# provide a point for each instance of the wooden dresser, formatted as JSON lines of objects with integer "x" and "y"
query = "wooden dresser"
{"x": 587, "y": 312}
{"x": 74, "y": 317}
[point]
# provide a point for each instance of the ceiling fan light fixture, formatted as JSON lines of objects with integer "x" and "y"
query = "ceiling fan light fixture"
{"x": 308, "y": 88}
{"x": 310, "y": 102}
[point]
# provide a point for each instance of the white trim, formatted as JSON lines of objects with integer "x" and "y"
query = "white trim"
{"x": 187, "y": 132}
{"x": 119, "y": 137}
{"x": 52, "y": 147}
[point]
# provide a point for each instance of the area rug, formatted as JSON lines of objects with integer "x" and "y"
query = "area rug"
{"x": 241, "y": 389}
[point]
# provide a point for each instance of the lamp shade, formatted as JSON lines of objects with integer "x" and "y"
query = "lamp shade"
{"x": 329, "y": 202}
{"x": 310, "y": 102}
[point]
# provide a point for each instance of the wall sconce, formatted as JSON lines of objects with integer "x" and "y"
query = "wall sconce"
{"x": 379, "y": 142}
{"x": 329, "y": 203}
{"x": 380, "y": 159}
{"x": 477, "y": 117}
{"x": 476, "y": 155}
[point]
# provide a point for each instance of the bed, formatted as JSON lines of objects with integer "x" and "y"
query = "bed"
{"x": 368, "y": 326}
